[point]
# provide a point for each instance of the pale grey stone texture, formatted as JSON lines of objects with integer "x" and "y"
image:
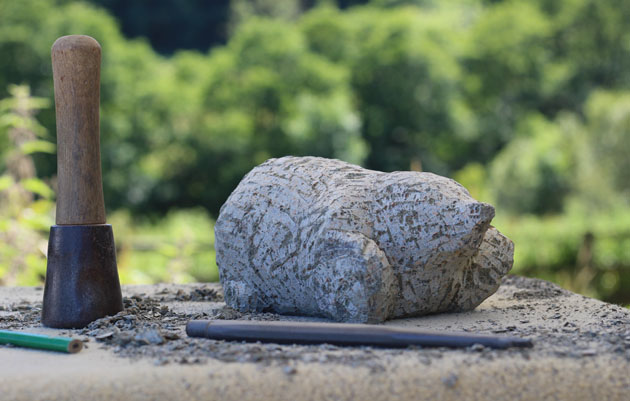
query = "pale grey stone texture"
{"x": 320, "y": 237}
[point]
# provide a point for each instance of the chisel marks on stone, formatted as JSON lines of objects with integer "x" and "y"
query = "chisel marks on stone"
{"x": 321, "y": 237}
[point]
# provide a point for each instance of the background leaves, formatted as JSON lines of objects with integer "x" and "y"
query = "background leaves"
{"x": 525, "y": 102}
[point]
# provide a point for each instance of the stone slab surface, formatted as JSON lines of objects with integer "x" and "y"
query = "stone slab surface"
{"x": 581, "y": 352}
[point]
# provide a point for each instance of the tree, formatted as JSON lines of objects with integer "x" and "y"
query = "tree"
{"x": 406, "y": 79}
{"x": 509, "y": 71}
{"x": 608, "y": 127}
{"x": 266, "y": 95}
{"x": 533, "y": 173}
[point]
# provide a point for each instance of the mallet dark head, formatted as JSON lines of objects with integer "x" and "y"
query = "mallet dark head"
{"x": 81, "y": 277}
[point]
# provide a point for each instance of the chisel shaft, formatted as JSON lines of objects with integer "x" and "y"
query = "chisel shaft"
{"x": 289, "y": 332}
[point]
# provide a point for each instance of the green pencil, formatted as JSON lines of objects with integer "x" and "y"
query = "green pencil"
{"x": 39, "y": 341}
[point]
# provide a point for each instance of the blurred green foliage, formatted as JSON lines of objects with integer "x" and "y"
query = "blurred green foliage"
{"x": 26, "y": 202}
{"x": 177, "y": 248}
{"x": 588, "y": 253}
{"x": 525, "y": 102}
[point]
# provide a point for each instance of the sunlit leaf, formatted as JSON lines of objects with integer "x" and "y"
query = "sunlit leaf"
{"x": 5, "y": 182}
{"x": 38, "y": 146}
{"x": 38, "y": 187}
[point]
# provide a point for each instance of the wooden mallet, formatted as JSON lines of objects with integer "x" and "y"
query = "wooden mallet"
{"x": 81, "y": 277}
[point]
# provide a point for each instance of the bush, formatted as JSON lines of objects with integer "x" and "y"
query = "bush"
{"x": 177, "y": 248}
{"x": 586, "y": 253}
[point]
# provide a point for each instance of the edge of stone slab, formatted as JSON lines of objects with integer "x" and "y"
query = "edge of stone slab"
{"x": 508, "y": 379}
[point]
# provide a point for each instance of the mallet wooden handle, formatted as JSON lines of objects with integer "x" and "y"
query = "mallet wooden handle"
{"x": 76, "y": 62}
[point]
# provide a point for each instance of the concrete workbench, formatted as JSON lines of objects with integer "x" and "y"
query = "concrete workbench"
{"x": 581, "y": 352}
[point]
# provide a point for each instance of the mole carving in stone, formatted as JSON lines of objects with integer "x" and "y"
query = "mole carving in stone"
{"x": 320, "y": 237}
